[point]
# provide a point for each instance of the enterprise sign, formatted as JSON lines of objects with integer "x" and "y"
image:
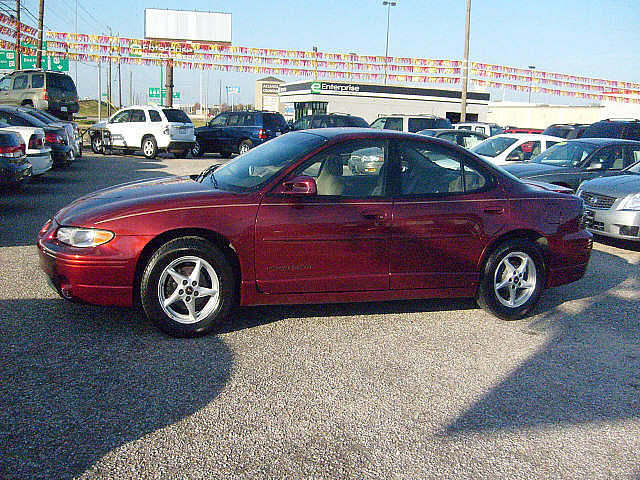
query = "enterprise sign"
{"x": 319, "y": 87}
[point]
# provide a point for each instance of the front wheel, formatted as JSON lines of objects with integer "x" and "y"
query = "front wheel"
{"x": 149, "y": 147}
{"x": 96, "y": 144}
{"x": 513, "y": 279}
{"x": 187, "y": 287}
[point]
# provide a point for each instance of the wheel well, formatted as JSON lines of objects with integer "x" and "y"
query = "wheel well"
{"x": 218, "y": 240}
{"x": 27, "y": 102}
{"x": 146, "y": 135}
{"x": 531, "y": 235}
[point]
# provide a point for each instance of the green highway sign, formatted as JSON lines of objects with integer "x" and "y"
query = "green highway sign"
{"x": 8, "y": 60}
{"x": 154, "y": 92}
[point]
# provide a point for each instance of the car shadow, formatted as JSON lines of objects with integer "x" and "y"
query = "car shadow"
{"x": 80, "y": 381}
{"x": 589, "y": 369}
{"x": 618, "y": 243}
{"x": 25, "y": 209}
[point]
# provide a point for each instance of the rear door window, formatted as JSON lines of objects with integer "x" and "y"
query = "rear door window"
{"x": 417, "y": 124}
{"x": 20, "y": 82}
{"x": 395, "y": 124}
{"x": 234, "y": 120}
{"x": 37, "y": 80}
{"x": 137, "y": 116}
{"x": 154, "y": 116}
{"x": 220, "y": 120}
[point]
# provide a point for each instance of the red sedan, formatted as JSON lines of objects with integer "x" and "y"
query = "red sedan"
{"x": 290, "y": 222}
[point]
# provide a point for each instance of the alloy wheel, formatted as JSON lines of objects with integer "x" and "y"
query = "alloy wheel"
{"x": 514, "y": 280}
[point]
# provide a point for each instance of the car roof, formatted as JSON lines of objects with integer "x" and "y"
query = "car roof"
{"x": 603, "y": 141}
{"x": 337, "y": 133}
{"x": 529, "y": 136}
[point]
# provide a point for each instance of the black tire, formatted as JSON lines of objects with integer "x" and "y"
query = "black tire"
{"x": 149, "y": 147}
{"x": 489, "y": 298}
{"x": 225, "y": 154}
{"x": 96, "y": 144}
{"x": 197, "y": 150}
{"x": 182, "y": 153}
{"x": 183, "y": 250}
{"x": 244, "y": 146}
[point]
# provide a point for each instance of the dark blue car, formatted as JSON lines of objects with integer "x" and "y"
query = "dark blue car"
{"x": 238, "y": 132}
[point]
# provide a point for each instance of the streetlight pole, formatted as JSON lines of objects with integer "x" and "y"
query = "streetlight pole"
{"x": 465, "y": 67}
{"x": 531, "y": 67}
{"x": 387, "y": 4}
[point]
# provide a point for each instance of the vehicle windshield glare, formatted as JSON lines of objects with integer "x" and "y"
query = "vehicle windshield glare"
{"x": 565, "y": 154}
{"x": 259, "y": 165}
{"x": 494, "y": 146}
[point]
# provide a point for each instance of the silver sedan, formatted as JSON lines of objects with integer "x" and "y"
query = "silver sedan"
{"x": 612, "y": 204}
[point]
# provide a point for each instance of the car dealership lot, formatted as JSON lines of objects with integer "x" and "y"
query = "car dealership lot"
{"x": 412, "y": 389}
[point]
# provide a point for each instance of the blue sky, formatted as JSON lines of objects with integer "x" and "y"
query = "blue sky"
{"x": 591, "y": 37}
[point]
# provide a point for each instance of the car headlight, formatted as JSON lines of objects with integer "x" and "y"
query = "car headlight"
{"x": 631, "y": 202}
{"x": 83, "y": 237}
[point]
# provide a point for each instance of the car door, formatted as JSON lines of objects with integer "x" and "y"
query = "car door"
{"x": 118, "y": 127}
{"x": 19, "y": 88}
{"x": 446, "y": 205}
{"x": 137, "y": 128}
{"x": 335, "y": 241}
{"x": 5, "y": 90}
{"x": 211, "y": 134}
{"x": 601, "y": 163}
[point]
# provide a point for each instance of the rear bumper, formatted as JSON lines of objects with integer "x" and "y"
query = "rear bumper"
{"x": 60, "y": 154}
{"x": 569, "y": 257}
{"x": 12, "y": 174}
{"x": 179, "y": 146}
{"x": 40, "y": 162}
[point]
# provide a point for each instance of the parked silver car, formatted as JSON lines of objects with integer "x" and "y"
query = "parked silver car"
{"x": 612, "y": 204}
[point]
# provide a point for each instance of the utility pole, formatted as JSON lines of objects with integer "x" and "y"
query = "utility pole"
{"x": 200, "y": 92}
{"x": 76, "y": 26}
{"x": 18, "y": 32}
{"x": 465, "y": 66}
{"x": 130, "y": 87}
{"x": 386, "y": 50}
{"x": 169, "y": 83}
{"x": 99, "y": 91}
{"x": 119, "y": 86}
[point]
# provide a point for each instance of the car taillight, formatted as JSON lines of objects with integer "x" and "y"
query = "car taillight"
{"x": 262, "y": 134}
{"x": 35, "y": 142}
{"x": 53, "y": 138}
{"x": 45, "y": 95}
{"x": 14, "y": 151}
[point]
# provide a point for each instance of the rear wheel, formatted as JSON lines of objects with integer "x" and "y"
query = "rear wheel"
{"x": 244, "y": 146}
{"x": 513, "y": 279}
{"x": 149, "y": 147}
{"x": 187, "y": 287}
{"x": 197, "y": 150}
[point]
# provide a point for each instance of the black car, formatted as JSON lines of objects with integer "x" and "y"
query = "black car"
{"x": 628, "y": 129}
{"x": 329, "y": 121}
{"x": 570, "y": 163}
{"x": 54, "y": 137}
{"x": 238, "y": 132}
{"x": 14, "y": 166}
{"x": 464, "y": 138}
{"x": 566, "y": 130}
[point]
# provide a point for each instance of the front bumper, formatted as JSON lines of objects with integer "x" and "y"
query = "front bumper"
{"x": 622, "y": 224}
{"x": 102, "y": 275}
{"x": 568, "y": 257}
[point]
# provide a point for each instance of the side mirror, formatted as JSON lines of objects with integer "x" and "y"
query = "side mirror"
{"x": 302, "y": 185}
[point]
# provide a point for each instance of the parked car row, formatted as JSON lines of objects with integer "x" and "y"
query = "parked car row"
{"x": 44, "y": 141}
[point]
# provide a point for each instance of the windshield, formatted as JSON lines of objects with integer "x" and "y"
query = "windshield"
{"x": 565, "y": 154}
{"x": 494, "y": 146}
{"x": 259, "y": 165}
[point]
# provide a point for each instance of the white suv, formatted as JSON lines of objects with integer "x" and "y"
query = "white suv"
{"x": 148, "y": 128}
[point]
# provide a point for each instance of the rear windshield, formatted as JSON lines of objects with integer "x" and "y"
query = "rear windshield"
{"x": 63, "y": 82}
{"x": 274, "y": 121}
{"x": 176, "y": 115}
{"x": 9, "y": 139}
{"x": 604, "y": 130}
{"x": 417, "y": 124}
{"x": 494, "y": 146}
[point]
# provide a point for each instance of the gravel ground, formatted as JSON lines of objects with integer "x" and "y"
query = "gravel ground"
{"x": 421, "y": 389}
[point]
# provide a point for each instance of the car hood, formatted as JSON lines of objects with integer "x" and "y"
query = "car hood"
{"x": 133, "y": 198}
{"x": 616, "y": 186}
{"x": 526, "y": 170}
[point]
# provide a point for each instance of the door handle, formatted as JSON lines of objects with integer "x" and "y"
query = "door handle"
{"x": 494, "y": 210}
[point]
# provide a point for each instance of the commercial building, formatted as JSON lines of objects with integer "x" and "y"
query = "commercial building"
{"x": 268, "y": 94}
{"x": 372, "y": 100}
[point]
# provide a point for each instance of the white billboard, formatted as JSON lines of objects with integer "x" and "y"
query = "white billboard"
{"x": 187, "y": 25}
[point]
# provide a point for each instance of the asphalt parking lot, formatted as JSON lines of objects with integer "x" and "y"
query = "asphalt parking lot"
{"x": 420, "y": 389}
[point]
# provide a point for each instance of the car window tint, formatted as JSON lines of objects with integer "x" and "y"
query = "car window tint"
{"x": 175, "y": 115}
{"x": 633, "y": 155}
{"x": 427, "y": 169}
{"x": 20, "y": 82}
{"x": 352, "y": 169}
{"x": 121, "y": 117}
{"x": 395, "y": 124}
{"x": 633, "y": 131}
{"x": 250, "y": 119}
{"x": 601, "y": 160}
{"x": 234, "y": 119}
{"x": 37, "y": 80}
{"x": 524, "y": 152}
{"x": 274, "y": 121}
{"x": 154, "y": 116}
{"x": 378, "y": 123}
{"x": 137, "y": 116}
{"x": 474, "y": 180}
{"x": 451, "y": 136}
{"x": 617, "y": 160}
{"x": 220, "y": 120}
